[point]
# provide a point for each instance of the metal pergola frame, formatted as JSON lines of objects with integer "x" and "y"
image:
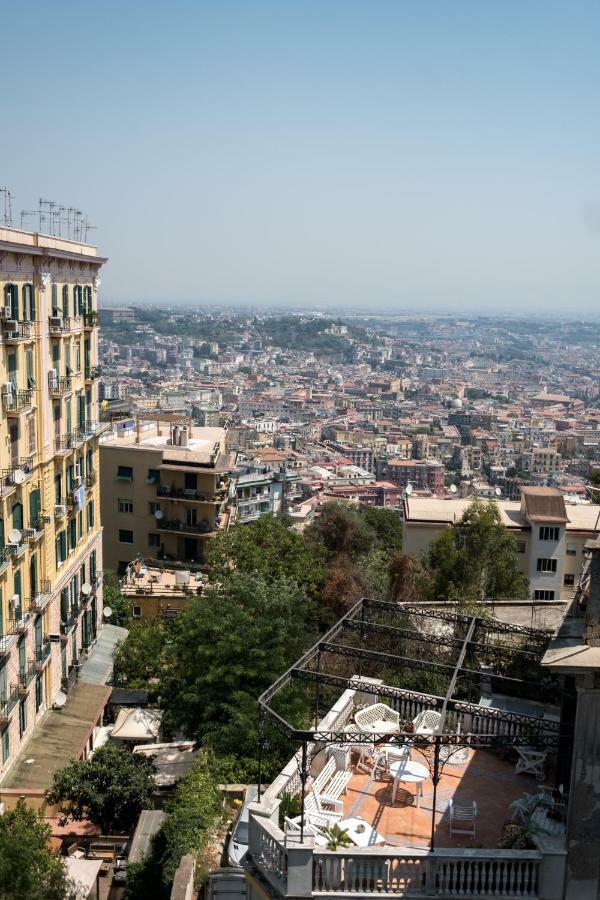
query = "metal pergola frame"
{"x": 471, "y": 636}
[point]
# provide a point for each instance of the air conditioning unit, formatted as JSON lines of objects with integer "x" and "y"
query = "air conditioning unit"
{"x": 7, "y": 312}
{"x": 11, "y": 324}
{"x": 54, "y": 638}
{"x": 55, "y": 321}
{"x": 60, "y": 509}
{"x": 30, "y": 532}
{"x": 15, "y": 601}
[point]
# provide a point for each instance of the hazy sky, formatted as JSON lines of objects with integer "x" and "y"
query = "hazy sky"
{"x": 410, "y": 155}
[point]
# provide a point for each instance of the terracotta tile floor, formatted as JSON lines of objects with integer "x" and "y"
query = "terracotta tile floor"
{"x": 485, "y": 778}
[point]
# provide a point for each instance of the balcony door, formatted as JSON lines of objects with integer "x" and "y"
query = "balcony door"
{"x": 13, "y": 434}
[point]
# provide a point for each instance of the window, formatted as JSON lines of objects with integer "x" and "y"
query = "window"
{"x": 54, "y": 300}
{"x": 57, "y": 487}
{"x": 39, "y": 692}
{"x": 17, "y": 516}
{"x": 61, "y": 547}
{"x": 28, "y": 303}
{"x": 11, "y": 298}
{"x": 136, "y": 612}
{"x": 77, "y": 300}
{"x": 29, "y": 368}
{"x": 122, "y": 568}
{"x": 31, "y": 435}
{"x": 546, "y": 566}
{"x": 65, "y": 300}
{"x": 125, "y": 536}
{"x": 153, "y": 476}
{"x": 569, "y": 580}
{"x": 154, "y": 540}
{"x": 549, "y": 533}
{"x": 125, "y": 506}
{"x": 5, "y": 745}
{"x": 153, "y": 508}
{"x": 124, "y": 473}
{"x": 90, "y": 515}
{"x": 521, "y": 546}
{"x": 543, "y": 595}
{"x": 571, "y": 549}
{"x": 72, "y": 534}
{"x": 22, "y": 718}
{"x": 93, "y": 565}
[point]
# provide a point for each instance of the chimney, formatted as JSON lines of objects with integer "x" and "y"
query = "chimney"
{"x": 174, "y": 439}
{"x": 592, "y": 606}
{"x": 184, "y": 435}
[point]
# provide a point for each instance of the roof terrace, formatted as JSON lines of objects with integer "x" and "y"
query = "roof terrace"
{"x": 431, "y": 731}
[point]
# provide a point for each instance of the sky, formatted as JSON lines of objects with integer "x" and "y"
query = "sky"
{"x": 383, "y": 155}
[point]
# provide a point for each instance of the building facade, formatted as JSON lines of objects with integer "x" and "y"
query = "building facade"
{"x": 165, "y": 491}
{"x": 50, "y": 531}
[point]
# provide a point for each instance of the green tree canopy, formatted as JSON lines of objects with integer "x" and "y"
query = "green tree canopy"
{"x": 110, "y": 789}
{"x": 230, "y": 644}
{"x": 29, "y": 869}
{"x": 341, "y": 529}
{"x": 268, "y": 548}
{"x": 121, "y": 606}
{"x": 139, "y": 659}
{"x": 476, "y": 559}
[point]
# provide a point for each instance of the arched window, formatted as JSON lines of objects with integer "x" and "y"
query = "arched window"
{"x": 17, "y": 516}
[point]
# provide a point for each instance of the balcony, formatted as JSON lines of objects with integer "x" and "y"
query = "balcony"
{"x": 198, "y": 530}
{"x": 67, "y": 624}
{"x": 69, "y": 682}
{"x": 65, "y": 443}
{"x": 90, "y": 320}
{"x": 15, "y": 332}
{"x": 164, "y": 490}
{"x": 92, "y": 372}
{"x": 59, "y": 324}
{"x": 92, "y": 427}
{"x": 91, "y": 478}
{"x": 8, "y": 703}
{"x": 64, "y": 507}
{"x": 16, "y": 402}
{"x": 26, "y": 676}
{"x": 36, "y": 529}
{"x": 59, "y": 386}
{"x": 40, "y": 599}
{"x": 16, "y": 475}
{"x": 42, "y": 654}
{"x": 4, "y": 560}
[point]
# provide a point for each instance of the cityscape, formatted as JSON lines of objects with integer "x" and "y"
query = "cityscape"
{"x": 300, "y": 461}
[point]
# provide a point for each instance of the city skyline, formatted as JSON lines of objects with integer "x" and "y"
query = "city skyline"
{"x": 386, "y": 159}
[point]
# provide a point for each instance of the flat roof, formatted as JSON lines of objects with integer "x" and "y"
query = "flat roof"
{"x": 59, "y": 736}
{"x": 582, "y": 516}
{"x": 200, "y": 447}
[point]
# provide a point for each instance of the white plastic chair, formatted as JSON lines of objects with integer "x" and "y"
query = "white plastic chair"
{"x": 427, "y": 722}
{"x": 462, "y": 817}
{"x": 377, "y": 718}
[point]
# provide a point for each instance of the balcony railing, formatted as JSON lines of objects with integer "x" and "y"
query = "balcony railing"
{"x": 23, "y": 467}
{"x": 26, "y": 675}
{"x": 92, "y": 372}
{"x": 67, "y": 624}
{"x": 184, "y": 527}
{"x": 42, "y": 653}
{"x": 90, "y": 319}
{"x": 8, "y": 703}
{"x": 164, "y": 490}
{"x": 91, "y": 478}
{"x": 22, "y": 332}
{"x": 17, "y": 401}
{"x": 59, "y": 385}
{"x": 59, "y": 324}
{"x": 41, "y": 597}
{"x": 66, "y": 442}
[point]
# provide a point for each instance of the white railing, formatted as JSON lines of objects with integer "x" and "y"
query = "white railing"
{"x": 267, "y": 849}
{"x": 443, "y": 873}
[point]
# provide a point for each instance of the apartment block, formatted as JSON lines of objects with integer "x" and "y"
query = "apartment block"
{"x": 421, "y": 474}
{"x": 50, "y": 532}
{"x": 550, "y": 534}
{"x": 165, "y": 491}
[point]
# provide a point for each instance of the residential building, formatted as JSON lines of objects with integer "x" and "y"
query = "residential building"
{"x": 159, "y": 592}
{"x": 423, "y": 475}
{"x": 550, "y": 534}
{"x": 165, "y": 492}
{"x": 50, "y": 532}
{"x": 261, "y": 492}
{"x": 114, "y": 315}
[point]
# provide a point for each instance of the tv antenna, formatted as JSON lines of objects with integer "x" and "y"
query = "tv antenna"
{"x": 7, "y": 206}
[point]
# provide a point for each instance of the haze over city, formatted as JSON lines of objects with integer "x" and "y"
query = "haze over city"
{"x": 386, "y": 157}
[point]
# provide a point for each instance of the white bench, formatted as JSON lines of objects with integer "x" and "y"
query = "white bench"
{"x": 331, "y": 782}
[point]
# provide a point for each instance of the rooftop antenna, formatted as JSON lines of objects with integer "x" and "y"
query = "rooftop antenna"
{"x": 88, "y": 227}
{"x": 25, "y": 213}
{"x": 7, "y": 206}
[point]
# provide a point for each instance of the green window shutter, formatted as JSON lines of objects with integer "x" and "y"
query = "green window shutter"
{"x": 65, "y": 300}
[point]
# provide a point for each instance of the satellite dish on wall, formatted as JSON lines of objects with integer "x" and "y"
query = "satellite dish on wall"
{"x": 86, "y": 589}
{"x": 409, "y": 490}
{"x": 498, "y": 491}
{"x": 59, "y": 700}
{"x": 453, "y": 488}
{"x": 14, "y": 536}
{"x": 19, "y": 476}
{"x": 107, "y": 613}
{"x": 158, "y": 514}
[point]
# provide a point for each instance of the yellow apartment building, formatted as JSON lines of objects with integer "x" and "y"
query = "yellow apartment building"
{"x": 550, "y": 534}
{"x": 50, "y": 533}
{"x": 165, "y": 491}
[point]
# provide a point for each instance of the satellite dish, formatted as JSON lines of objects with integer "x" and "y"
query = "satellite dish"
{"x": 498, "y": 491}
{"x": 86, "y": 589}
{"x": 409, "y": 490}
{"x": 158, "y": 514}
{"x": 14, "y": 536}
{"x": 19, "y": 476}
{"x": 453, "y": 488}
{"x": 107, "y": 612}
{"x": 60, "y": 700}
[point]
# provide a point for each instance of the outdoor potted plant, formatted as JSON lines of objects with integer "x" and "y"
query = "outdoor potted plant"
{"x": 336, "y": 837}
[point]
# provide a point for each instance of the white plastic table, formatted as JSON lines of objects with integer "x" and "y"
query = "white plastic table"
{"x": 410, "y": 772}
{"x": 360, "y": 832}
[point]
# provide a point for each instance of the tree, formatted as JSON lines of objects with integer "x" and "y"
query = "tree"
{"x": 29, "y": 869}
{"x": 110, "y": 789}
{"x": 387, "y": 525}
{"x": 121, "y": 606}
{"x": 594, "y": 478}
{"x": 139, "y": 658}
{"x": 476, "y": 559}
{"x": 268, "y": 548}
{"x": 230, "y": 644}
{"x": 344, "y": 585}
{"x": 340, "y": 528}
